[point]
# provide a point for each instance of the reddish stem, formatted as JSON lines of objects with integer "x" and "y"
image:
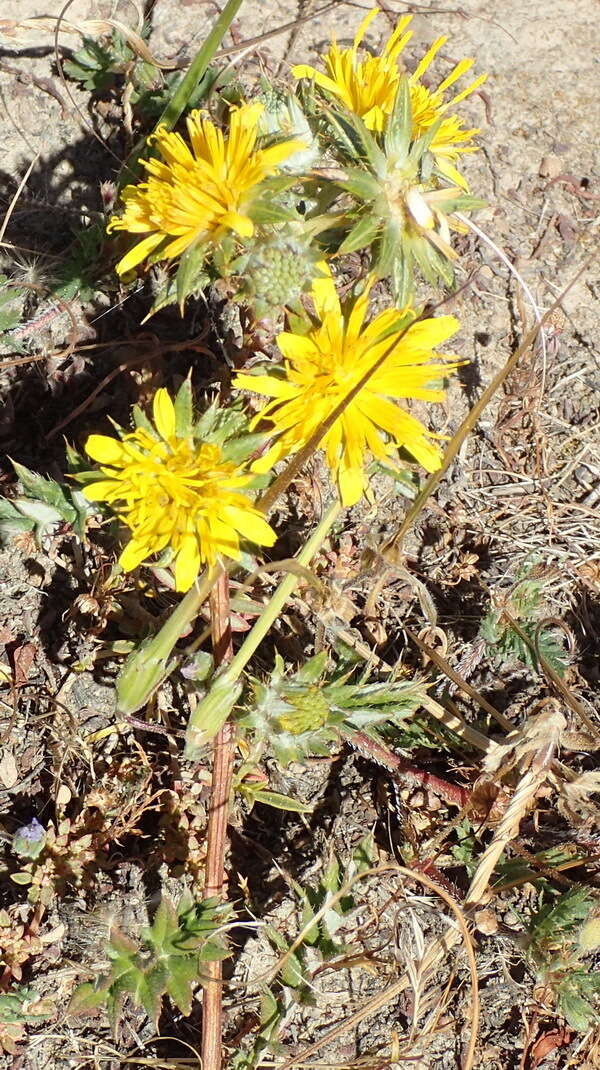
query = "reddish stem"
{"x": 215, "y": 878}
{"x": 378, "y": 752}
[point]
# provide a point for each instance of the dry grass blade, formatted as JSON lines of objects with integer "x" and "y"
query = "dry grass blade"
{"x": 395, "y": 542}
{"x": 18, "y": 192}
{"x": 544, "y": 732}
{"x": 457, "y": 724}
{"x": 447, "y": 669}
{"x": 521, "y": 281}
{"x": 430, "y": 960}
{"x": 77, "y": 111}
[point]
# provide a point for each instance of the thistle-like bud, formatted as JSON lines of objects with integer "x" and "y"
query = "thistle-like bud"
{"x": 279, "y": 270}
{"x": 296, "y": 715}
{"x": 308, "y": 711}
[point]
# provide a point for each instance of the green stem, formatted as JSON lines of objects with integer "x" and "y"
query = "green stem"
{"x": 215, "y": 708}
{"x": 199, "y": 65}
{"x": 283, "y": 592}
{"x": 149, "y": 664}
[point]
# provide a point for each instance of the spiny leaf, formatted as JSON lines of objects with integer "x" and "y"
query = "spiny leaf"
{"x": 399, "y": 127}
{"x": 181, "y": 977}
{"x": 189, "y": 278}
{"x": 86, "y": 998}
{"x": 167, "y": 959}
{"x": 266, "y": 212}
{"x": 578, "y": 1011}
{"x": 45, "y": 490}
{"x": 12, "y": 522}
{"x": 362, "y": 234}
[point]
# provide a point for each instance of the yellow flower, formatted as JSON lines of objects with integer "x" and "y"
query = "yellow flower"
{"x": 428, "y": 105}
{"x": 174, "y": 492}
{"x": 368, "y": 87}
{"x": 322, "y": 367}
{"x": 198, "y": 193}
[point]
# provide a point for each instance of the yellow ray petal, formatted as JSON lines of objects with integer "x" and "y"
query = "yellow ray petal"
{"x": 326, "y": 300}
{"x": 268, "y": 385}
{"x": 103, "y": 490}
{"x": 187, "y": 563}
{"x": 351, "y": 483}
{"x": 163, "y": 412}
{"x": 449, "y": 171}
{"x": 296, "y": 347}
{"x": 104, "y": 449}
{"x": 359, "y": 311}
{"x": 138, "y": 253}
{"x": 240, "y": 223}
{"x": 301, "y": 70}
{"x": 362, "y": 29}
{"x": 134, "y": 553}
{"x": 457, "y": 72}
{"x": 251, "y": 525}
{"x": 428, "y": 58}
{"x": 276, "y": 154}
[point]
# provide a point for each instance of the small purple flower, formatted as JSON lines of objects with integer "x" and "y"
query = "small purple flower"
{"x": 29, "y": 841}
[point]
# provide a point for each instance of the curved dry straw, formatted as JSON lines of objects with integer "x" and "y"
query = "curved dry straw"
{"x": 430, "y": 960}
{"x": 472, "y": 417}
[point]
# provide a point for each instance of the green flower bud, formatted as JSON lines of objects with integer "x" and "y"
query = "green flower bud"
{"x": 308, "y": 711}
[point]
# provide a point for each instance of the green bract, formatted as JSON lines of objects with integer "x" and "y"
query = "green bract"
{"x": 400, "y": 206}
{"x": 298, "y": 714}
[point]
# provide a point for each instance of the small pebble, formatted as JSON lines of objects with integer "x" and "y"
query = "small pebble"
{"x": 551, "y": 167}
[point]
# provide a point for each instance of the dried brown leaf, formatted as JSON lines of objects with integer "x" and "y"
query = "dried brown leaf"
{"x": 538, "y": 733}
{"x": 574, "y": 802}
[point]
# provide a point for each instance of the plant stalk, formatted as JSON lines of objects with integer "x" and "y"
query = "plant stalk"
{"x": 222, "y": 777}
{"x": 151, "y": 661}
{"x": 204, "y": 721}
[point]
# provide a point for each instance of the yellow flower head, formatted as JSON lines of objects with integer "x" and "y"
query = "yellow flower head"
{"x": 174, "y": 492}
{"x": 368, "y": 87}
{"x": 429, "y": 105}
{"x": 321, "y": 369}
{"x": 198, "y": 192}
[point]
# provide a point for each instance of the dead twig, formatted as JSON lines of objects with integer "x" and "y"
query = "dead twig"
{"x": 46, "y": 85}
{"x": 156, "y": 351}
{"x": 448, "y": 671}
